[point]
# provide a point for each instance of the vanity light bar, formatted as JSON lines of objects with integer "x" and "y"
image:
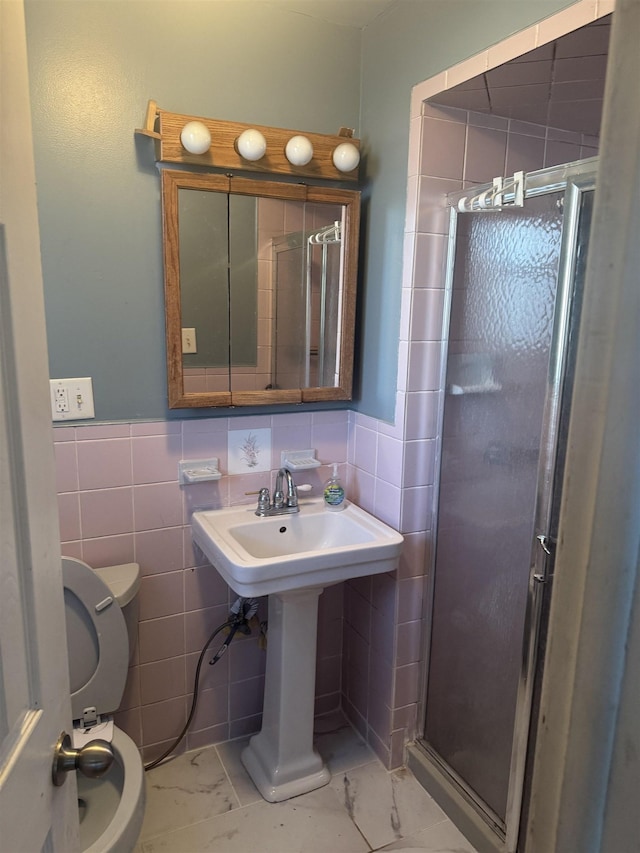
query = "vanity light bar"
{"x": 286, "y": 152}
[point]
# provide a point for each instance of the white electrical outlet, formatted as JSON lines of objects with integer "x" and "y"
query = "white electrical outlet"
{"x": 60, "y": 399}
{"x": 72, "y": 399}
{"x": 189, "y": 340}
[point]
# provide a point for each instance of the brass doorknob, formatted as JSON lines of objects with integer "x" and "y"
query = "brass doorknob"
{"x": 92, "y": 760}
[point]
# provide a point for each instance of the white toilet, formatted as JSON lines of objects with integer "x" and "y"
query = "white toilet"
{"x": 101, "y": 609}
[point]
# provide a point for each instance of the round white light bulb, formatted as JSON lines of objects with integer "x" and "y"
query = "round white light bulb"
{"x": 195, "y": 137}
{"x": 251, "y": 144}
{"x": 299, "y": 151}
{"x": 346, "y": 157}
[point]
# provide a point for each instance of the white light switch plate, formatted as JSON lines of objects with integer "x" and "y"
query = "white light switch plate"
{"x": 72, "y": 399}
{"x": 189, "y": 340}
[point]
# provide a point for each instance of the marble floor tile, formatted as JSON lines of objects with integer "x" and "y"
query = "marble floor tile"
{"x": 444, "y": 837}
{"x": 386, "y": 806}
{"x": 229, "y": 752}
{"x": 313, "y": 823}
{"x": 205, "y": 801}
{"x": 192, "y": 787}
{"x": 339, "y": 745}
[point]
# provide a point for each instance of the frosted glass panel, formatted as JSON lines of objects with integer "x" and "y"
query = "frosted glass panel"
{"x": 503, "y": 301}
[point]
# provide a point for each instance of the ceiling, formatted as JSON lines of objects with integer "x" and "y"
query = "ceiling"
{"x": 560, "y": 84}
{"x": 351, "y": 13}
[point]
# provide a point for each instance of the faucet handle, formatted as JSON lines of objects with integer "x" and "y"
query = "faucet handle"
{"x": 264, "y": 500}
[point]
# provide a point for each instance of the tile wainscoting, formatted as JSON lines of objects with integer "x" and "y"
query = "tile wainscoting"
{"x": 120, "y": 501}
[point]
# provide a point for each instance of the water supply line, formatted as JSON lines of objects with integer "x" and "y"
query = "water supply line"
{"x": 242, "y": 610}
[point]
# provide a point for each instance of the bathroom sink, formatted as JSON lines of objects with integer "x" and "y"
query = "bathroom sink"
{"x": 312, "y": 548}
{"x": 291, "y": 558}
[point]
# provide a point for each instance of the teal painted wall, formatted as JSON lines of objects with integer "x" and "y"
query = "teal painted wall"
{"x": 94, "y": 64}
{"x": 413, "y": 41}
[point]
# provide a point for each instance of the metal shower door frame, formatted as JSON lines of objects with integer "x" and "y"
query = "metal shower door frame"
{"x": 304, "y": 241}
{"x": 574, "y": 179}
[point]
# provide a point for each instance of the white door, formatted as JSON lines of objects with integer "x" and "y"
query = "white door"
{"x": 34, "y": 685}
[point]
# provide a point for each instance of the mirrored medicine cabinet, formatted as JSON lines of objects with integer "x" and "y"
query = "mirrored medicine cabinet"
{"x": 260, "y": 290}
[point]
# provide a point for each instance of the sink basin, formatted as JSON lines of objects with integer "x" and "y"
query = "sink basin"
{"x": 315, "y": 547}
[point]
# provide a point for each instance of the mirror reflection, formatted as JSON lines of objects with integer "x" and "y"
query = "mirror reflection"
{"x": 260, "y": 290}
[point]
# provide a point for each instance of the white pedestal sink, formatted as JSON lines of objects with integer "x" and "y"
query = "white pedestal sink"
{"x": 292, "y": 558}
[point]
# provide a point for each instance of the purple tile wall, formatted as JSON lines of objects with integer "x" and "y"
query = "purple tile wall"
{"x": 120, "y": 501}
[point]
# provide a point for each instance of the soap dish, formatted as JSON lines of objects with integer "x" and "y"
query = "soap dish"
{"x": 299, "y": 460}
{"x": 198, "y": 470}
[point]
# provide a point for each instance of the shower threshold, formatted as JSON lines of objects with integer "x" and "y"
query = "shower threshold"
{"x": 483, "y": 829}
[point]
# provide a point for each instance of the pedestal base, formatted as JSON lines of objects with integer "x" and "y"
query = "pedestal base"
{"x": 278, "y": 783}
{"x": 281, "y": 759}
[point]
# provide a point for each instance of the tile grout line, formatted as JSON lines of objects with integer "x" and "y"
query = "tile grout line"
{"x": 226, "y": 773}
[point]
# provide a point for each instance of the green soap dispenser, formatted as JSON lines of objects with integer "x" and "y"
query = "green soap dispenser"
{"x": 334, "y": 492}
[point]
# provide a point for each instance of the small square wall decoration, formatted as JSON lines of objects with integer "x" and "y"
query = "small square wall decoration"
{"x": 249, "y": 450}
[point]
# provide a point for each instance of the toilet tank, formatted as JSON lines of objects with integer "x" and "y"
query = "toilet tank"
{"x": 124, "y": 583}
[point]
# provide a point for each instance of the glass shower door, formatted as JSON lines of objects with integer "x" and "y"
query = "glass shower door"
{"x": 500, "y": 344}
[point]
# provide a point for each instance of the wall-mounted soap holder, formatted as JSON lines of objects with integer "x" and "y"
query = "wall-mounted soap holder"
{"x": 299, "y": 460}
{"x": 198, "y": 470}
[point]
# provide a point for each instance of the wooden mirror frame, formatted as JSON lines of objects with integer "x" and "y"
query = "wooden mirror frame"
{"x": 172, "y": 182}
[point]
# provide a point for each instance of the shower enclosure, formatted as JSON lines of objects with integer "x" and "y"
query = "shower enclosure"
{"x": 513, "y": 292}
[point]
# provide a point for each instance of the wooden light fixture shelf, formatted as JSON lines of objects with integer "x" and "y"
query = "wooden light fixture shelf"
{"x": 165, "y": 128}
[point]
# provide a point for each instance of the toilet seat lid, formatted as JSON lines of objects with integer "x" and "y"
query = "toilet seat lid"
{"x": 97, "y": 640}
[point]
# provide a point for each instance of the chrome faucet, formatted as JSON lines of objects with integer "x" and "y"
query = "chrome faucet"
{"x": 285, "y": 496}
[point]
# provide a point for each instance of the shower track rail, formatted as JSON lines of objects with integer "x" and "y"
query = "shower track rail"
{"x": 550, "y": 180}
